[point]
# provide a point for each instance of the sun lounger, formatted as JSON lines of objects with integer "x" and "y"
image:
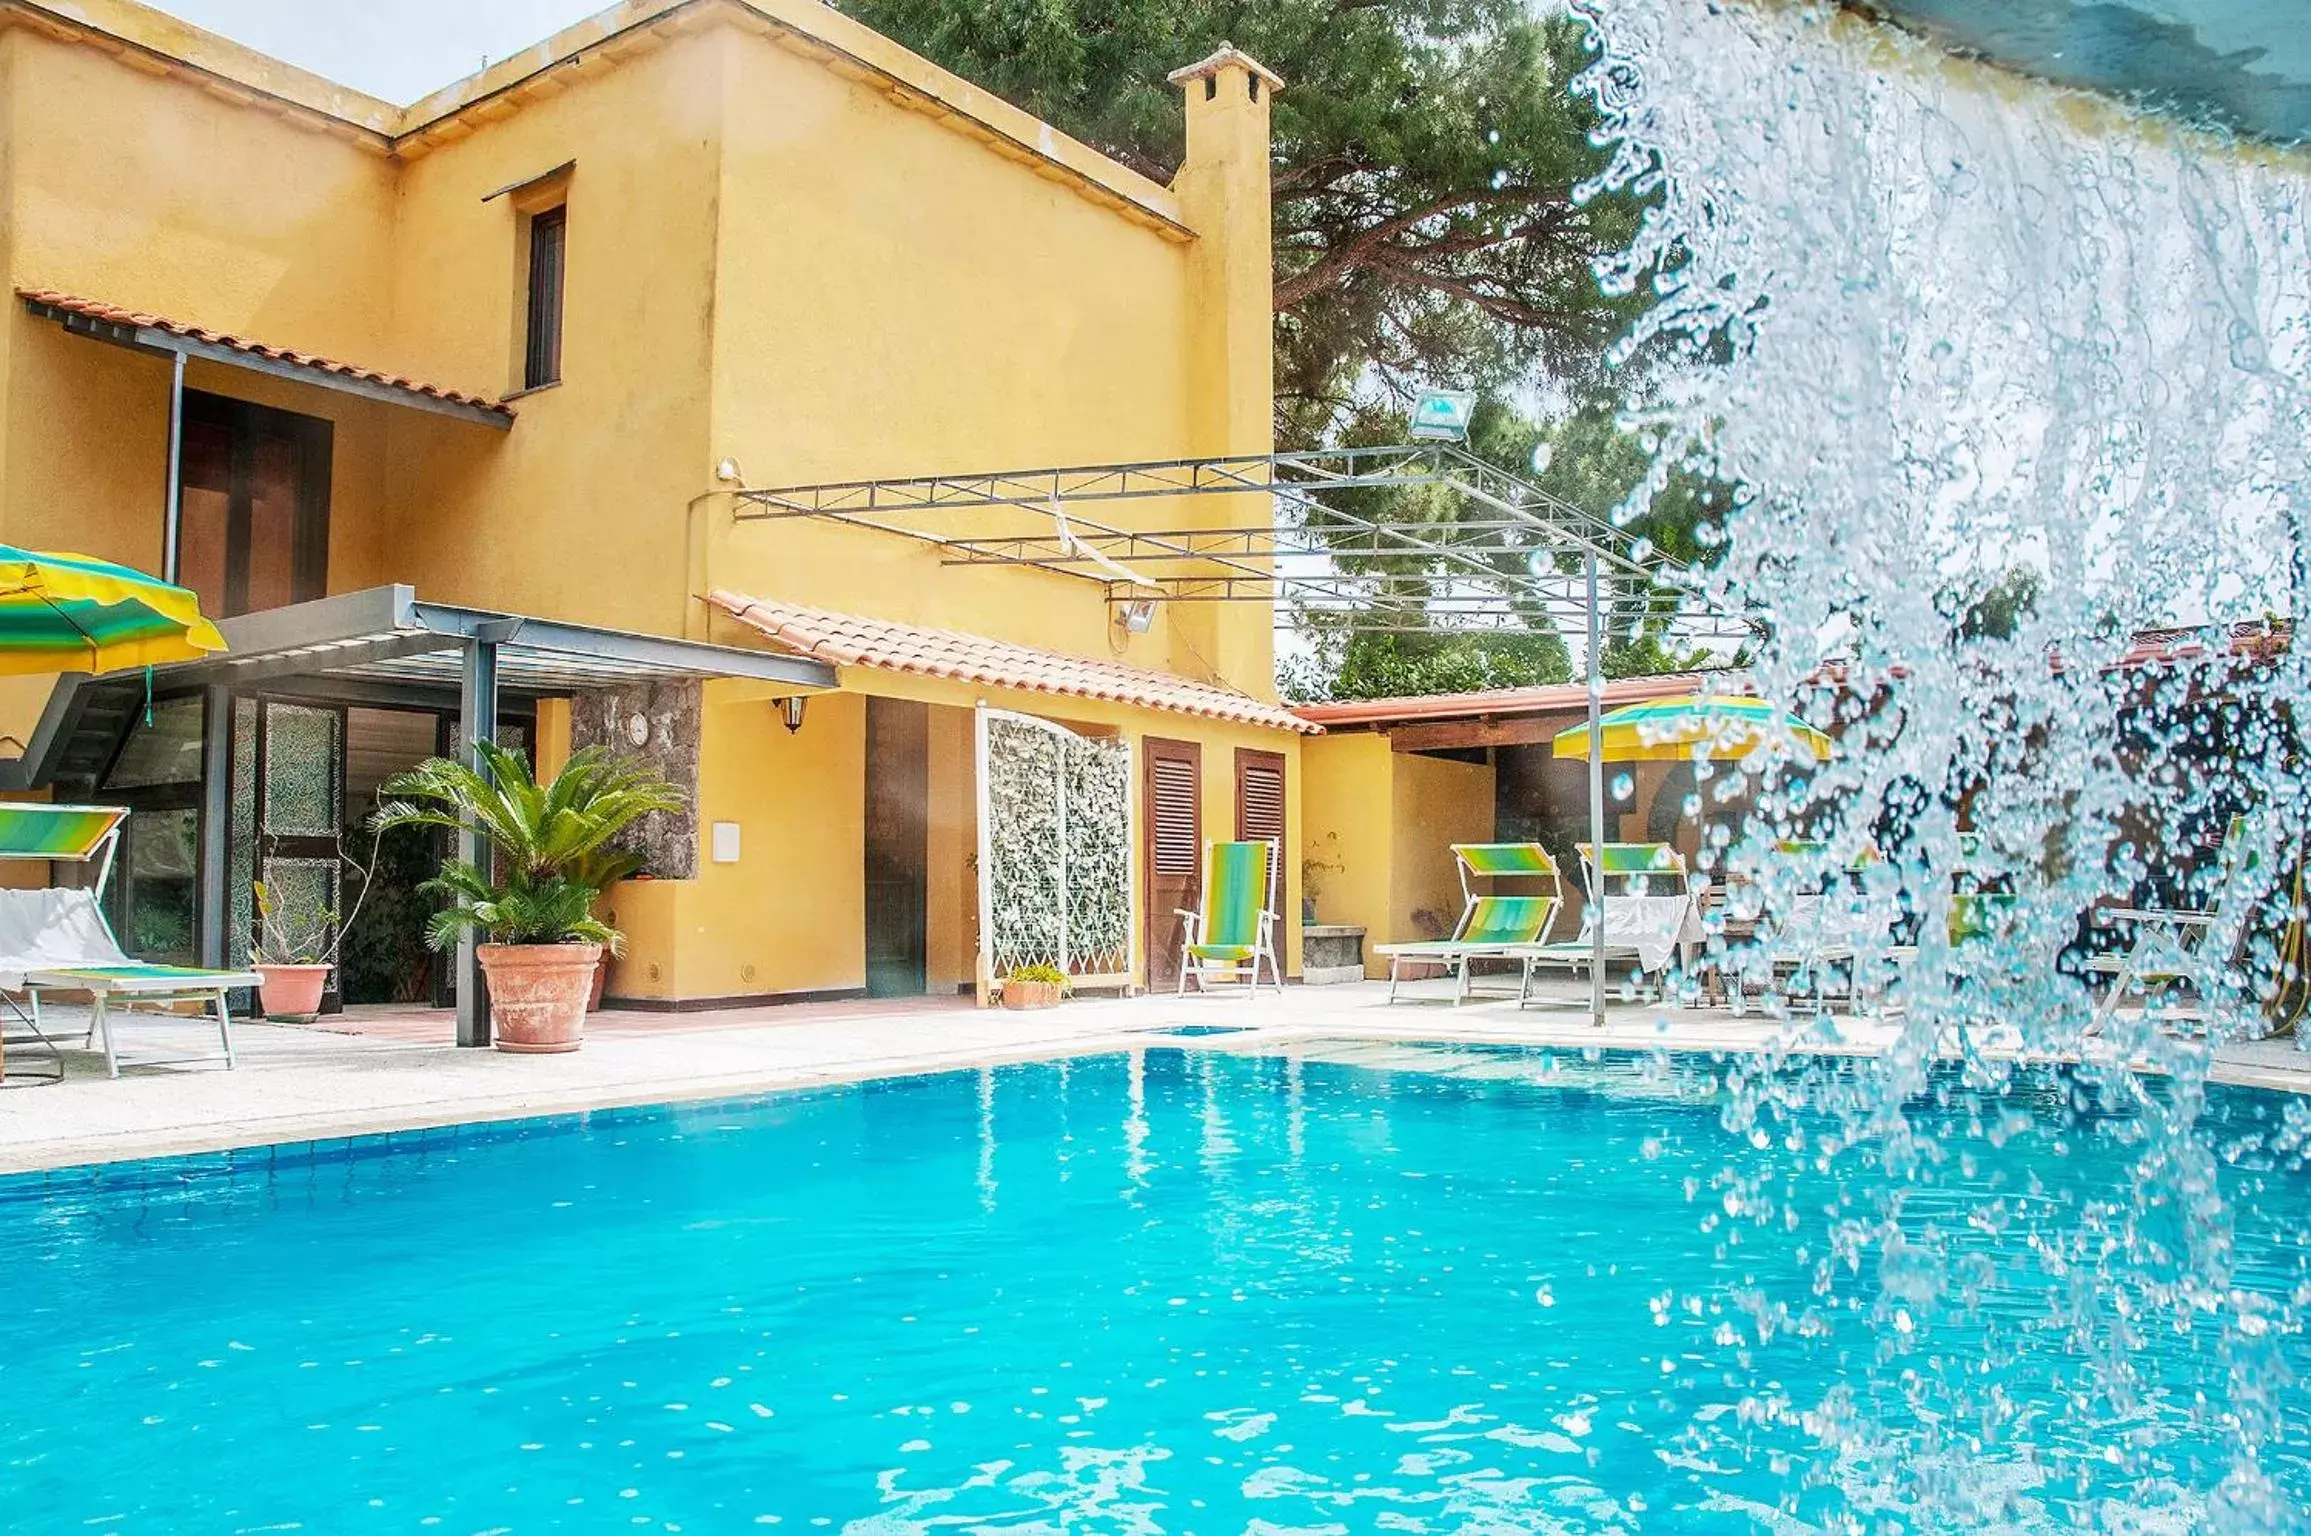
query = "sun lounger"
{"x": 1649, "y": 920}
{"x": 56, "y": 939}
{"x": 1492, "y": 925}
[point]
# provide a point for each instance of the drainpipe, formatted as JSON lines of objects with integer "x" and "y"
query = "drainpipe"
{"x": 169, "y": 513}
{"x": 1596, "y": 669}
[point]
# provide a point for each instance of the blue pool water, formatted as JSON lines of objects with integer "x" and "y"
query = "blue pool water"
{"x": 1177, "y": 1291}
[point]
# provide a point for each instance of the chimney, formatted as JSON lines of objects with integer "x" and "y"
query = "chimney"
{"x": 1223, "y": 190}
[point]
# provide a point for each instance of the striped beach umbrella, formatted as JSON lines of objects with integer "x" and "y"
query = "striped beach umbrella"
{"x": 1711, "y": 725}
{"x": 69, "y": 613}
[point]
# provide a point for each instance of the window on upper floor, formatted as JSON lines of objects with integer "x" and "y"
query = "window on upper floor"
{"x": 548, "y": 265}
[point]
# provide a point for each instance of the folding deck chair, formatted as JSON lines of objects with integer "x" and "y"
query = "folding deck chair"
{"x": 1825, "y": 932}
{"x": 1234, "y": 928}
{"x": 1647, "y": 922}
{"x": 1492, "y": 926}
{"x": 55, "y": 939}
{"x": 2170, "y": 944}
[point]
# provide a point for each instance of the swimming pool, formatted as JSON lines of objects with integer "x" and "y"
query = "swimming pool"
{"x": 1359, "y": 1288}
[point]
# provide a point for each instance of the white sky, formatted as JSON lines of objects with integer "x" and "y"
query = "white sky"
{"x": 397, "y": 49}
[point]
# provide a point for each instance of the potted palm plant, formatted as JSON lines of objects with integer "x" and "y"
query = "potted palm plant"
{"x": 530, "y": 900}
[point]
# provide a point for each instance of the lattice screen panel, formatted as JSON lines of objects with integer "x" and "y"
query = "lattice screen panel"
{"x": 1055, "y": 849}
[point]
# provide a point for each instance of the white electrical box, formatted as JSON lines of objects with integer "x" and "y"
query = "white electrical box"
{"x": 726, "y": 842}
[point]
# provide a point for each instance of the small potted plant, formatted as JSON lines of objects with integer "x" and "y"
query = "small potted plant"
{"x": 295, "y": 950}
{"x": 1034, "y": 986}
{"x": 532, "y": 902}
{"x": 298, "y": 940}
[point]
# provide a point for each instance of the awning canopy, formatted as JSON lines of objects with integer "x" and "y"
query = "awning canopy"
{"x": 386, "y": 646}
{"x": 387, "y": 635}
{"x": 161, "y": 336}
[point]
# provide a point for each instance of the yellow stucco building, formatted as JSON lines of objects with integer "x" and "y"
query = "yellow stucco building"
{"x": 451, "y": 410}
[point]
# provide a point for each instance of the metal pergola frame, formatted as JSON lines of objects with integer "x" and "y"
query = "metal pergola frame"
{"x": 1097, "y": 551}
{"x": 1566, "y": 552}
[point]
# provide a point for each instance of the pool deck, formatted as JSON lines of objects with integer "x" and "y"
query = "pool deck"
{"x": 378, "y": 1070}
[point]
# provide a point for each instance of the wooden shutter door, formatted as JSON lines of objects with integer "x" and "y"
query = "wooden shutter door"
{"x": 1260, "y": 811}
{"x": 1171, "y": 821}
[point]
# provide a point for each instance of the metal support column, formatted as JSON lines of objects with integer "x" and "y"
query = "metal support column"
{"x": 477, "y": 722}
{"x": 173, "y": 490}
{"x": 1596, "y": 671}
{"x": 215, "y": 911}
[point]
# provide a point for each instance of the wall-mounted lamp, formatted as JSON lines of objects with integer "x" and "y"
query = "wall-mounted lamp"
{"x": 729, "y": 473}
{"x": 790, "y": 711}
{"x": 1136, "y": 617}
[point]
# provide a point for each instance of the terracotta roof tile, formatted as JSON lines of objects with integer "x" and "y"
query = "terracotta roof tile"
{"x": 2254, "y": 643}
{"x": 116, "y": 314}
{"x": 2251, "y": 644}
{"x": 853, "y": 641}
{"x": 1541, "y": 699}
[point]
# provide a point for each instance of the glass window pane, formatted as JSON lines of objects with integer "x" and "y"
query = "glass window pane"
{"x": 163, "y": 881}
{"x": 301, "y": 782}
{"x": 168, "y": 751}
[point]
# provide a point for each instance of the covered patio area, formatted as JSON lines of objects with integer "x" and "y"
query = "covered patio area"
{"x": 253, "y": 764}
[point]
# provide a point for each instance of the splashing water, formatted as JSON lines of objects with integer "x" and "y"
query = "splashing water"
{"x": 1942, "y": 326}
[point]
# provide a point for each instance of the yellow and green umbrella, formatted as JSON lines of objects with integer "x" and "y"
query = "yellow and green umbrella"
{"x": 1676, "y": 730}
{"x": 69, "y": 613}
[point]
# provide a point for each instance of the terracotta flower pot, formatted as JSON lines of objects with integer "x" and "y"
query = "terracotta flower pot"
{"x": 292, "y": 992}
{"x": 537, "y": 994}
{"x": 1030, "y": 994}
{"x": 601, "y": 983}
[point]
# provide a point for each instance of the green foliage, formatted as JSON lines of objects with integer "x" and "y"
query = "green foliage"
{"x": 520, "y": 909}
{"x": 1384, "y": 666}
{"x": 1425, "y": 153}
{"x": 385, "y": 957}
{"x": 161, "y": 929}
{"x": 1584, "y": 459}
{"x": 605, "y": 867}
{"x": 1993, "y": 612}
{"x": 549, "y": 843}
{"x": 1049, "y": 975}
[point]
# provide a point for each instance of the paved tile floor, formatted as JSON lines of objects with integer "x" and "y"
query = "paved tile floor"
{"x": 389, "y": 1070}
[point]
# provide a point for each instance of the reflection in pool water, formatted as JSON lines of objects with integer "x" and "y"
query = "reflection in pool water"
{"x": 1362, "y": 1287}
